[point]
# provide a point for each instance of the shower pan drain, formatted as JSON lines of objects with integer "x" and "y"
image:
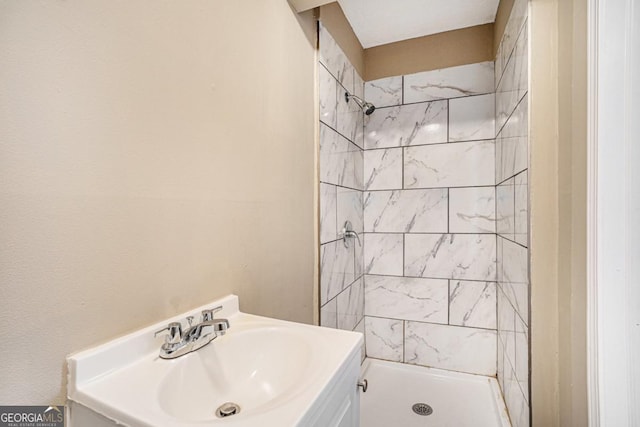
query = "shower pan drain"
{"x": 422, "y": 409}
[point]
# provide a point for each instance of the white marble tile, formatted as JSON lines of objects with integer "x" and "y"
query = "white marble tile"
{"x": 521, "y": 369}
{"x": 327, "y": 213}
{"x": 359, "y": 137}
{"x": 512, "y": 29}
{"x": 359, "y": 91}
{"x": 328, "y": 314}
{"x": 513, "y": 84}
{"x": 337, "y": 269}
{"x": 351, "y": 305}
{"x": 509, "y": 386}
{"x": 472, "y": 210}
{"x": 384, "y": 338}
{"x": 383, "y": 169}
{"x": 515, "y": 262}
{"x": 341, "y": 162}
{"x": 349, "y": 118}
{"x": 499, "y": 66}
{"x": 451, "y": 347}
{"x": 512, "y": 155}
{"x": 516, "y": 404}
{"x": 356, "y": 155}
{"x": 332, "y": 57}
{"x": 451, "y": 256}
{"x": 499, "y": 258}
{"x": 383, "y": 253}
{"x": 506, "y": 96}
{"x": 472, "y": 118}
{"x": 515, "y": 276}
{"x": 522, "y": 419}
{"x": 403, "y": 211}
{"x": 505, "y": 209}
{"x": 415, "y": 124}
{"x": 359, "y": 255}
{"x": 522, "y": 62}
{"x": 500, "y": 373}
{"x": 506, "y": 328}
{"x": 521, "y": 226}
{"x": 506, "y": 377}
{"x": 472, "y": 304}
{"x": 333, "y": 156}
{"x": 347, "y": 79}
{"x": 460, "y": 164}
{"x": 385, "y": 92}
{"x": 498, "y": 159}
{"x": 350, "y": 208}
{"x": 453, "y": 82}
{"x": 406, "y": 298}
{"x": 358, "y": 85}
{"x": 327, "y": 93}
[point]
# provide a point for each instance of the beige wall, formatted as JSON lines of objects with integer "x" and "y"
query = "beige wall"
{"x": 502, "y": 17}
{"x": 558, "y": 215}
{"x": 544, "y": 220}
{"x": 572, "y": 162}
{"x": 336, "y": 23}
{"x": 442, "y": 50}
{"x": 153, "y": 156}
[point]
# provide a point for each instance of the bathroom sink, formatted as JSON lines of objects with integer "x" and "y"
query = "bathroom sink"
{"x": 272, "y": 372}
{"x": 257, "y": 368}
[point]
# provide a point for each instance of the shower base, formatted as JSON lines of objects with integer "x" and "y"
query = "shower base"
{"x": 401, "y": 395}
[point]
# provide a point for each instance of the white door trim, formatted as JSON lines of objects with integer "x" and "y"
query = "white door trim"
{"x": 613, "y": 306}
{"x": 592, "y": 214}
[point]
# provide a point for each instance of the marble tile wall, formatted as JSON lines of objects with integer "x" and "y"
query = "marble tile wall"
{"x": 430, "y": 219}
{"x": 340, "y": 189}
{"x": 437, "y": 181}
{"x": 512, "y": 227}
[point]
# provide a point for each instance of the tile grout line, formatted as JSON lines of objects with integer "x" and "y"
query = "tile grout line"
{"x": 413, "y": 189}
{"x": 428, "y": 144}
{"x": 422, "y": 322}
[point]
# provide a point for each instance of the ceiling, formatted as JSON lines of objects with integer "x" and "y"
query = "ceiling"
{"x": 378, "y": 22}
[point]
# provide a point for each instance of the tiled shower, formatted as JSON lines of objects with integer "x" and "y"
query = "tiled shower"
{"x": 341, "y": 173}
{"x": 429, "y": 215}
{"x": 435, "y": 180}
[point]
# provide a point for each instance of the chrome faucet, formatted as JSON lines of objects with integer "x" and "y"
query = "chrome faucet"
{"x": 178, "y": 343}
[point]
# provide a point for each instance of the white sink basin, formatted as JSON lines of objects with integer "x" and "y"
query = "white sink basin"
{"x": 276, "y": 371}
{"x": 232, "y": 369}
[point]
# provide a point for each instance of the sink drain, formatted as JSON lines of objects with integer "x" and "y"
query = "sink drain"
{"x": 227, "y": 409}
{"x": 422, "y": 409}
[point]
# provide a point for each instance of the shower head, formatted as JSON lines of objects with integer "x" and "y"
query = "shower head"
{"x": 367, "y": 107}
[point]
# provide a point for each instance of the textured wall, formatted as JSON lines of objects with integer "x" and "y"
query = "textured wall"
{"x": 153, "y": 156}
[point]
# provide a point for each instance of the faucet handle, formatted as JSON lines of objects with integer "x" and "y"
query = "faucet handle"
{"x": 207, "y": 315}
{"x": 175, "y": 333}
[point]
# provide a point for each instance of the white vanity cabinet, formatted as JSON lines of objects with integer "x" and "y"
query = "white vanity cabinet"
{"x": 274, "y": 373}
{"x": 340, "y": 405}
